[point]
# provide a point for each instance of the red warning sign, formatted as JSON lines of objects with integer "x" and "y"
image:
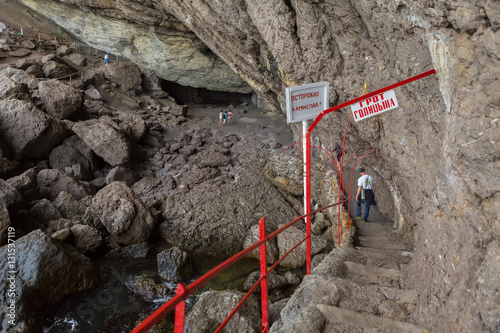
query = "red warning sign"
{"x": 374, "y": 105}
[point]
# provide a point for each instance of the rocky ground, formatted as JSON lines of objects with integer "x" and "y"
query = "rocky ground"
{"x": 97, "y": 161}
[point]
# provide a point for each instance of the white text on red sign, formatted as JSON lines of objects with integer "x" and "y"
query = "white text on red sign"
{"x": 374, "y": 105}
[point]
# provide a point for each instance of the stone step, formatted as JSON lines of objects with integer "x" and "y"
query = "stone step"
{"x": 372, "y": 271}
{"x": 388, "y": 252}
{"x": 366, "y": 321}
{"x": 387, "y": 244}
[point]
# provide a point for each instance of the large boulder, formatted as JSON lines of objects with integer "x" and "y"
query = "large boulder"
{"x": 77, "y": 59}
{"x": 214, "y": 217}
{"x": 44, "y": 211}
{"x": 174, "y": 265}
{"x": 291, "y": 237}
{"x": 21, "y": 77}
{"x": 271, "y": 246}
{"x": 10, "y": 89}
{"x": 149, "y": 289}
{"x": 74, "y": 151}
{"x": 126, "y": 74}
{"x": 51, "y": 182}
{"x": 86, "y": 238}
{"x": 27, "y": 130}
{"x": 122, "y": 213}
{"x": 70, "y": 207}
{"x": 46, "y": 272}
{"x": 61, "y": 101}
{"x": 132, "y": 251}
{"x": 104, "y": 140}
{"x": 213, "y": 307}
{"x": 55, "y": 70}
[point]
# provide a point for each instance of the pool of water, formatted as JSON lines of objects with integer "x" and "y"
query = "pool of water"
{"x": 112, "y": 307}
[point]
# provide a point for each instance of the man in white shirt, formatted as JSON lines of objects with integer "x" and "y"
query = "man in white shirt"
{"x": 365, "y": 194}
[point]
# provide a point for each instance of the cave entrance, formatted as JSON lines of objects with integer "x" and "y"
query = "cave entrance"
{"x": 190, "y": 95}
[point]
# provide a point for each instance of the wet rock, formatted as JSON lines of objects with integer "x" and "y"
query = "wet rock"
{"x": 27, "y": 130}
{"x": 105, "y": 141}
{"x": 51, "y": 182}
{"x": 74, "y": 151}
{"x": 297, "y": 258}
{"x": 85, "y": 238}
{"x": 126, "y": 74}
{"x": 142, "y": 250}
{"x": 213, "y": 307}
{"x": 45, "y": 211}
{"x": 60, "y": 100}
{"x": 274, "y": 281}
{"x": 122, "y": 213}
{"x": 149, "y": 289}
{"x": 271, "y": 246}
{"x": 47, "y": 272}
{"x": 175, "y": 265}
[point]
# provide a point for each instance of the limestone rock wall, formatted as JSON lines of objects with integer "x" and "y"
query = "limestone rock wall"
{"x": 146, "y": 37}
{"x": 437, "y": 155}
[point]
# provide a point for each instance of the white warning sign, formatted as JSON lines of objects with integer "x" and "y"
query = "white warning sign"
{"x": 374, "y": 105}
{"x": 306, "y": 101}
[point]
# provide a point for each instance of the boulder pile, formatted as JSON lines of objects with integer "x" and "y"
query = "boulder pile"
{"x": 82, "y": 177}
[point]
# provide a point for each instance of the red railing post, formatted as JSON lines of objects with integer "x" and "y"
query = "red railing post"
{"x": 263, "y": 273}
{"x": 307, "y": 199}
{"x": 180, "y": 310}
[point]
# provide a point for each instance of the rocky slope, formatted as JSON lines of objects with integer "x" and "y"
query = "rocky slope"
{"x": 437, "y": 155}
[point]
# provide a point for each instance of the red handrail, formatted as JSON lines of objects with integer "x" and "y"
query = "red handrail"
{"x": 182, "y": 292}
{"x": 166, "y": 308}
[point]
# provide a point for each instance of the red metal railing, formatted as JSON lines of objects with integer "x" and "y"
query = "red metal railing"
{"x": 182, "y": 292}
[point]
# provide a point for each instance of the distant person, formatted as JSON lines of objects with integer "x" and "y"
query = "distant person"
{"x": 106, "y": 58}
{"x": 366, "y": 190}
{"x": 221, "y": 116}
{"x": 224, "y": 119}
{"x": 229, "y": 117}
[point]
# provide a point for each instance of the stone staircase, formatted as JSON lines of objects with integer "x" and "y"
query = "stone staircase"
{"x": 355, "y": 289}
